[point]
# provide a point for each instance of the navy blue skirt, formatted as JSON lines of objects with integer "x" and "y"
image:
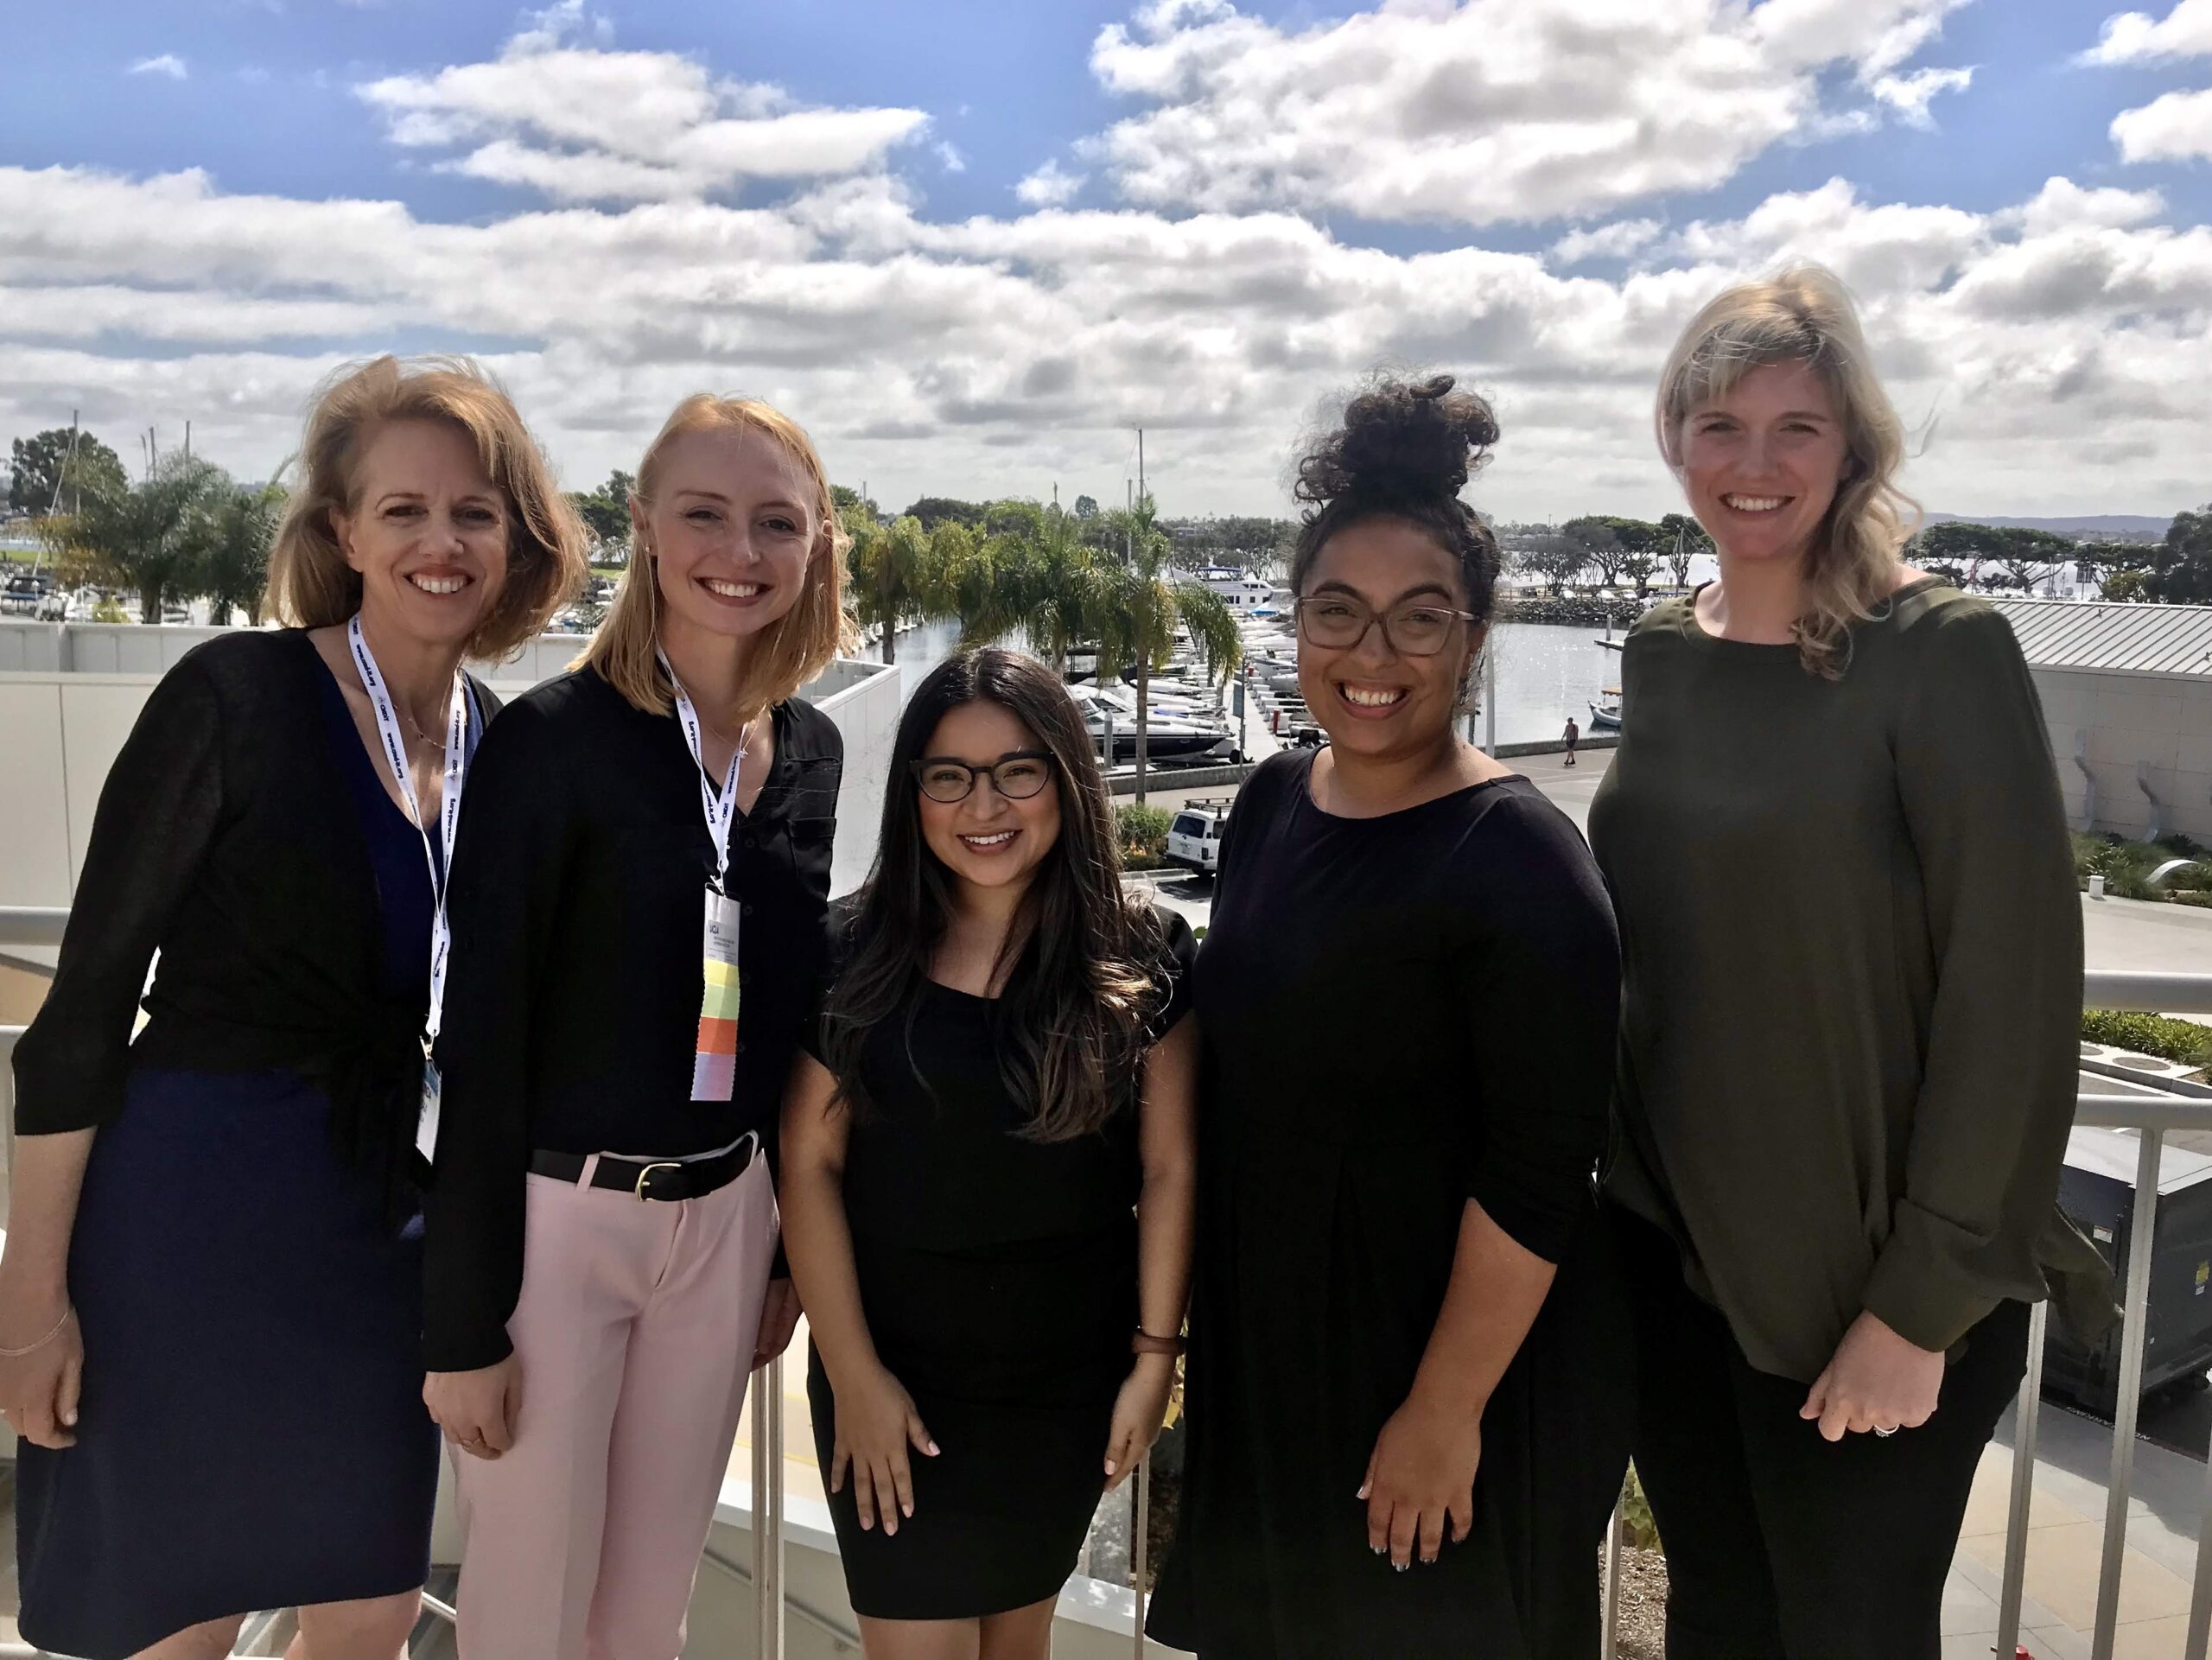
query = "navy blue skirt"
{"x": 253, "y": 1433}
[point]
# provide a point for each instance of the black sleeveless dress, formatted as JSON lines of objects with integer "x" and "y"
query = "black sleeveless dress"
{"x": 999, "y": 1276}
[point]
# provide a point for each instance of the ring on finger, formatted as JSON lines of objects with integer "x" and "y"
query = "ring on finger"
{"x": 1885, "y": 1433}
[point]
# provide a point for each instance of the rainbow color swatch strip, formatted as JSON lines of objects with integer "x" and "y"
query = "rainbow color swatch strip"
{"x": 714, "y": 1064}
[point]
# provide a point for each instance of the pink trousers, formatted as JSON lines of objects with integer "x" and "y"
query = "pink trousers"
{"x": 635, "y": 1331}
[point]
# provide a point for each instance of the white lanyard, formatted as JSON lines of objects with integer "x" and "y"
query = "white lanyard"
{"x": 395, "y": 754}
{"x": 719, "y": 809}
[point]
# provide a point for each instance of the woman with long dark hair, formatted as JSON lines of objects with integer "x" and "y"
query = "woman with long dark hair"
{"x": 1003, "y": 1071}
{"x": 1400, "y": 1359}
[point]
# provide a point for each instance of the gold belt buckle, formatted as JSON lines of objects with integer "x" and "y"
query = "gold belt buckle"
{"x": 646, "y": 1175}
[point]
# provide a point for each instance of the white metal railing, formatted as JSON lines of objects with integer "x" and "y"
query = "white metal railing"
{"x": 2152, "y": 1116}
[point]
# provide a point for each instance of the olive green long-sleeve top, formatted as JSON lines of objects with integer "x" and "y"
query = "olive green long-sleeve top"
{"x": 1852, "y": 948}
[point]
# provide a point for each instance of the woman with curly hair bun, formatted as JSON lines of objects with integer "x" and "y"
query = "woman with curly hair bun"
{"x": 1401, "y": 1347}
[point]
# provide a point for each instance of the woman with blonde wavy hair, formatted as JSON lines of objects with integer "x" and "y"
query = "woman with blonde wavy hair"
{"x": 1852, "y": 962}
{"x": 211, "y": 1302}
{"x": 647, "y": 845}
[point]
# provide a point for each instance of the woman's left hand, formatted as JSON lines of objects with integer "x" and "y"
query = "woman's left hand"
{"x": 779, "y": 1319}
{"x": 1877, "y": 1381}
{"x": 1421, "y": 1477}
{"x": 1138, "y": 1410}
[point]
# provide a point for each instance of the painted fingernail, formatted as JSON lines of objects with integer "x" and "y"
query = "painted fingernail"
{"x": 1379, "y": 1550}
{"x": 1401, "y": 1567}
{"x": 932, "y": 1449}
{"x": 906, "y": 1509}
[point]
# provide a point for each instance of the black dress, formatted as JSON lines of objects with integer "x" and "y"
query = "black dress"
{"x": 998, "y": 1278}
{"x": 253, "y": 1431}
{"x": 1400, "y": 1013}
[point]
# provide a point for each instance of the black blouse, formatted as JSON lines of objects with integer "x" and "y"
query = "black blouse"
{"x": 572, "y": 1004}
{"x": 227, "y": 839}
{"x": 937, "y": 1161}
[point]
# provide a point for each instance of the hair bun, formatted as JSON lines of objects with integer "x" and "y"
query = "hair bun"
{"x": 1400, "y": 439}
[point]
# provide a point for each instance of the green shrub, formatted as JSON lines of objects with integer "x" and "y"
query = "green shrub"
{"x": 2185, "y": 1041}
{"x": 1142, "y": 829}
{"x": 2202, "y": 900}
{"x": 1638, "y": 1529}
{"x": 2126, "y": 866}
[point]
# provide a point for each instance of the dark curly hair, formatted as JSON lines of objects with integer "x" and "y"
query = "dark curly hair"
{"x": 1405, "y": 449}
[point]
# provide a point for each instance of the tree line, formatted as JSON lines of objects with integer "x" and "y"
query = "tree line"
{"x": 1603, "y": 551}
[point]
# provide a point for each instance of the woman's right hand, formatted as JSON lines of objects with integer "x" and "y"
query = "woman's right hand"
{"x": 477, "y": 1409}
{"x": 876, "y": 1424}
{"x": 39, "y": 1390}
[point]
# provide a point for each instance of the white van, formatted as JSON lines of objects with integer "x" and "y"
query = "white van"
{"x": 1194, "y": 835}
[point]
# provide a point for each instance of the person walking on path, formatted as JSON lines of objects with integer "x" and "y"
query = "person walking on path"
{"x": 1854, "y": 976}
{"x": 1406, "y": 1422}
{"x": 1573, "y": 736}
{"x": 647, "y": 844}
{"x": 988, "y": 1173}
{"x": 211, "y": 1299}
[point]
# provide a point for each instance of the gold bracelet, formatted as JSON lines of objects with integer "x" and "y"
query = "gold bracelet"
{"x": 17, "y": 1354}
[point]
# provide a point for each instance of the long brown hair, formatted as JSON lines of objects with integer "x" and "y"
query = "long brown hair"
{"x": 1079, "y": 962}
{"x": 310, "y": 584}
{"x": 793, "y": 649}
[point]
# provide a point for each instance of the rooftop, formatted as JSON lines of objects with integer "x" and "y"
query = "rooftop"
{"x": 2174, "y": 639}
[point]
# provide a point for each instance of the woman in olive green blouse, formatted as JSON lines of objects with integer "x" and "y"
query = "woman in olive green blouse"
{"x": 1852, "y": 950}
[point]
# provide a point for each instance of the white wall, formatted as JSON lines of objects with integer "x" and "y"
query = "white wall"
{"x": 60, "y": 729}
{"x": 2160, "y": 723}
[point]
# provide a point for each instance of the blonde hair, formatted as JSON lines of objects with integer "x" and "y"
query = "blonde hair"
{"x": 310, "y": 584}
{"x": 1805, "y": 314}
{"x": 793, "y": 649}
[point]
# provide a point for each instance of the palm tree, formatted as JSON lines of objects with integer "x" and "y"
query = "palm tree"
{"x": 1139, "y": 601}
{"x": 1046, "y": 581}
{"x": 891, "y": 570}
{"x": 149, "y": 533}
{"x": 231, "y": 557}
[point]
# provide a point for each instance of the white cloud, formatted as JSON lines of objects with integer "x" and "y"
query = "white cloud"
{"x": 1001, "y": 354}
{"x": 1476, "y": 111}
{"x": 580, "y": 123}
{"x": 254, "y": 75}
{"x": 949, "y": 158}
{"x": 168, "y": 64}
{"x": 2175, "y": 128}
{"x": 1911, "y": 95}
{"x": 1618, "y": 240}
{"x": 2136, "y": 37}
{"x": 1050, "y": 186}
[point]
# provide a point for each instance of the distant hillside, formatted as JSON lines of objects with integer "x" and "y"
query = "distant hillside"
{"x": 2117, "y": 527}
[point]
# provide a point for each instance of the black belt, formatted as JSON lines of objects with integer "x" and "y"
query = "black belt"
{"x": 658, "y": 1180}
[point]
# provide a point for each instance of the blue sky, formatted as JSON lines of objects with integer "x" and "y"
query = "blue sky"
{"x": 944, "y": 327}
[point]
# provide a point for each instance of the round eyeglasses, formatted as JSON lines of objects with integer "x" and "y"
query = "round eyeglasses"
{"x": 1340, "y": 622}
{"x": 1017, "y": 777}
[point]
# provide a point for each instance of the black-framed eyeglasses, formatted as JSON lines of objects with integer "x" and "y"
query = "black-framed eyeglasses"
{"x": 1338, "y": 622}
{"x": 1017, "y": 776}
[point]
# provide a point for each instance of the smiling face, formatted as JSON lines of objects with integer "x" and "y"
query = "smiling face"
{"x": 1369, "y": 697}
{"x": 987, "y": 838}
{"x": 1761, "y": 467}
{"x": 427, "y": 529}
{"x": 731, "y": 528}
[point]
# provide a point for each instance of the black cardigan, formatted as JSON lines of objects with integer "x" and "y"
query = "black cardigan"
{"x": 573, "y": 1004}
{"x": 227, "y": 839}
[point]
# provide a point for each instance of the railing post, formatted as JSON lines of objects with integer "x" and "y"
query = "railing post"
{"x": 1140, "y": 1512}
{"x": 2135, "y": 1319}
{"x": 1610, "y": 1634}
{"x": 2025, "y": 1426}
{"x": 768, "y": 1509}
{"x": 2200, "y": 1596}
